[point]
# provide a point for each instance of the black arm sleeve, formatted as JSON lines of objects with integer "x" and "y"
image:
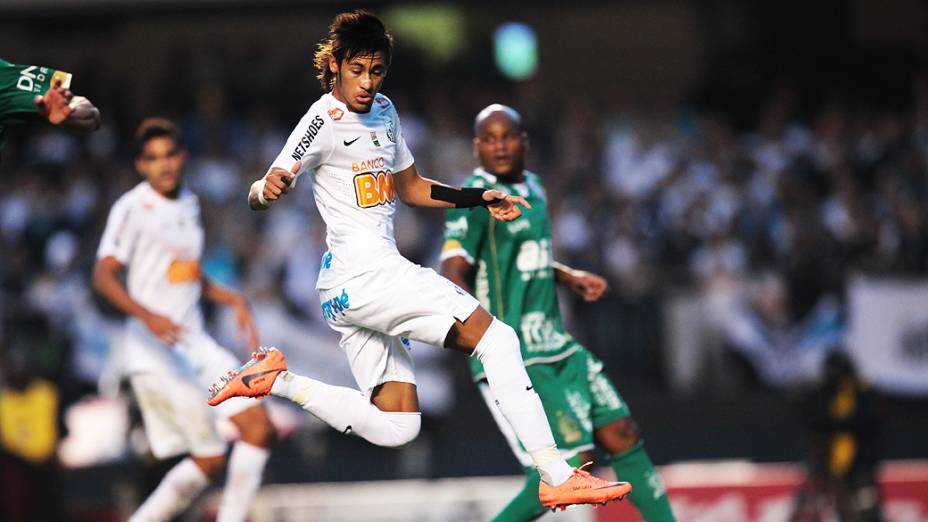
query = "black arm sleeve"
{"x": 461, "y": 197}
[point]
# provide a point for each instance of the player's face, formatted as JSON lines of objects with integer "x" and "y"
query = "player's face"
{"x": 357, "y": 80}
{"x": 161, "y": 162}
{"x": 500, "y": 146}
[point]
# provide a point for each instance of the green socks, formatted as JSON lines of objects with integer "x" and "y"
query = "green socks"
{"x": 648, "y": 493}
{"x": 525, "y": 506}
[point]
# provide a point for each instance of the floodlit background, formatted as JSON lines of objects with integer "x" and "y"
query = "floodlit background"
{"x": 751, "y": 177}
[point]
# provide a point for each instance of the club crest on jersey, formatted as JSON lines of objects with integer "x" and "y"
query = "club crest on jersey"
{"x": 391, "y": 128}
{"x": 374, "y": 188}
{"x": 336, "y": 113}
{"x": 311, "y": 132}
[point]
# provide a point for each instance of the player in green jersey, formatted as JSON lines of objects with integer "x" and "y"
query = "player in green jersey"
{"x": 509, "y": 268}
{"x": 34, "y": 93}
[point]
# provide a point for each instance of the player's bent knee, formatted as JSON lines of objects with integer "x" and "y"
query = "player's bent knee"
{"x": 403, "y": 428}
{"x": 261, "y": 434}
{"x": 212, "y": 467}
{"x": 255, "y": 427}
{"x": 498, "y": 337}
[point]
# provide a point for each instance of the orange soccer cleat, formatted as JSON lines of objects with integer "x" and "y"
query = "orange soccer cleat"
{"x": 254, "y": 379}
{"x": 581, "y": 488}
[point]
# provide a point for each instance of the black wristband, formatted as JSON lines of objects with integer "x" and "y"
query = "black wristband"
{"x": 461, "y": 197}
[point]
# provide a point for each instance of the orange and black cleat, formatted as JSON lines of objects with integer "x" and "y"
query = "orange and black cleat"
{"x": 254, "y": 379}
{"x": 581, "y": 488}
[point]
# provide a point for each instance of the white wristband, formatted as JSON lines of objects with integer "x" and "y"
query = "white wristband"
{"x": 259, "y": 186}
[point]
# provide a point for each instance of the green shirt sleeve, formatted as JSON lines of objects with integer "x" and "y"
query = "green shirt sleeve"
{"x": 465, "y": 230}
{"x": 20, "y": 84}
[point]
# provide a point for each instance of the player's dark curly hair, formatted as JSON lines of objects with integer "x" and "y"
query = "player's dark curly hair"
{"x": 152, "y": 128}
{"x": 355, "y": 33}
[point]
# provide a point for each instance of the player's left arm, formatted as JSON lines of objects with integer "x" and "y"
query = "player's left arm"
{"x": 587, "y": 285}
{"x": 243, "y": 316}
{"x": 417, "y": 191}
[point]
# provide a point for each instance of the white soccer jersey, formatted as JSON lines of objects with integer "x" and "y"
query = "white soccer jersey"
{"x": 351, "y": 158}
{"x": 160, "y": 242}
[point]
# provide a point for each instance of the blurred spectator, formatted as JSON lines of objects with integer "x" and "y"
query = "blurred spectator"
{"x": 30, "y": 406}
{"x": 843, "y": 423}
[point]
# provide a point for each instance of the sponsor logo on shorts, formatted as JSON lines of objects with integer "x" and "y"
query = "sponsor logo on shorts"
{"x": 326, "y": 261}
{"x": 568, "y": 428}
{"x": 311, "y": 132}
{"x": 336, "y": 306}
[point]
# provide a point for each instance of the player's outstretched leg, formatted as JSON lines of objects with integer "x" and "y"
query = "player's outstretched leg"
{"x": 174, "y": 493}
{"x": 498, "y": 350}
{"x": 345, "y": 409}
{"x": 246, "y": 463}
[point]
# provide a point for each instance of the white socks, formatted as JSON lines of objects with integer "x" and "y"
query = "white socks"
{"x": 175, "y": 492}
{"x": 348, "y": 410}
{"x": 245, "y": 469}
{"x": 501, "y": 357}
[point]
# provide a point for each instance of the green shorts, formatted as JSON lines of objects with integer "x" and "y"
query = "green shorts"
{"x": 578, "y": 398}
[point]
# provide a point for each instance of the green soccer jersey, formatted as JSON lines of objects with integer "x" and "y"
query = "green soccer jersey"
{"x": 19, "y": 85}
{"x": 514, "y": 277}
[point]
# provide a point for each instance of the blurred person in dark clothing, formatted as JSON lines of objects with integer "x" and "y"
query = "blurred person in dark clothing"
{"x": 842, "y": 419}
{"x": 30, "y": 405}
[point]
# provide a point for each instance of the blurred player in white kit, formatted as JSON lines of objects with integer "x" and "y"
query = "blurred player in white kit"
{"x": 154, "y": 233}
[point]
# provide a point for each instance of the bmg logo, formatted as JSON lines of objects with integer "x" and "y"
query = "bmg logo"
{"x": 374, "y": 188}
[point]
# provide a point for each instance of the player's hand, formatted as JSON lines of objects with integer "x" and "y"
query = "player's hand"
{"x": 163, "y": 328}
{"x": 278, "y": 180}
{"x": 589, "y": 286}
{"x": 246, "y": 323}
{"x": 504, "y": 207}
{"x": 55, "y": 104}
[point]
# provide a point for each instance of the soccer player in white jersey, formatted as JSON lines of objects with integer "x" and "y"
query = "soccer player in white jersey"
{"x": 154, "y": 233}
{"x": 350, "y": 144}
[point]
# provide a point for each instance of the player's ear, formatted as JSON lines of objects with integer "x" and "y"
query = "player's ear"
{"x": 476, "y": 148}
{"x": 333, "y": 65}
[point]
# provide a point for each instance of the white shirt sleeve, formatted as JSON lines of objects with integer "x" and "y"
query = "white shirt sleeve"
{"x": 310, "y": 142}
{"x": 403, "y": 159}
{"x": 120, "y": 233}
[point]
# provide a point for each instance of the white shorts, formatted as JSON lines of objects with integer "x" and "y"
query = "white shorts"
{"x": 172, "y": 392}
{"x": 377, "y": 313}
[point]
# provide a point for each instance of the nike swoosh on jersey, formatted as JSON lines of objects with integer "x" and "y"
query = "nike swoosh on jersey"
{"x": 347, "y": 143}
{"x": 246, "y": 380}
